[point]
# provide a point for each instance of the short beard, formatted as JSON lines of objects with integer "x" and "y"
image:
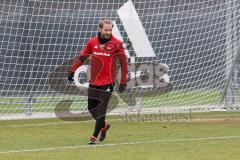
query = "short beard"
{"x": 103, "y": 37}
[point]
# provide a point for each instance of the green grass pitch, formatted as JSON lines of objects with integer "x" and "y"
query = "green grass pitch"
{"x": 209, "y": 136}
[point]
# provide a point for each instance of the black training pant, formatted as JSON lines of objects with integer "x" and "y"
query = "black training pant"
{"x": 98, "y": 98}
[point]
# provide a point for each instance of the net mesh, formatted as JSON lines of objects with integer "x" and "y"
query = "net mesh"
{"x": 185, "y": 52}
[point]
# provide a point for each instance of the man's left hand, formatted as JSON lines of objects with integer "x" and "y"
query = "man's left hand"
{"x": 122, "y": 87}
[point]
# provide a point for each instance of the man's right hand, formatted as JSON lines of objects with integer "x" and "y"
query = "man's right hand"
{"x": 70, "y": 76}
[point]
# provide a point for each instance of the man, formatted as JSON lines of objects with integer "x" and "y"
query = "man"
{"x": 105, "y": 50}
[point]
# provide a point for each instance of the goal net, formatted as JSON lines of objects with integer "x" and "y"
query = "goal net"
{"x": 182, "y": 54}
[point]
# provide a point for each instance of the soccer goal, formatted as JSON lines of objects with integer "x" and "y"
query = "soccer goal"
{"x": 182, "y": 54}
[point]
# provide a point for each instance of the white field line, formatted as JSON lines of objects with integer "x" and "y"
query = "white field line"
{"x": 37, "y": 124}
{"x": 111, "y": 120}
{"x": 120, "y": 144}
{"x": 52, "y": 123}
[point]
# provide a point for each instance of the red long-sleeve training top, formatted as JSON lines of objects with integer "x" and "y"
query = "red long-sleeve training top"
{"x": 103, "y": 61}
